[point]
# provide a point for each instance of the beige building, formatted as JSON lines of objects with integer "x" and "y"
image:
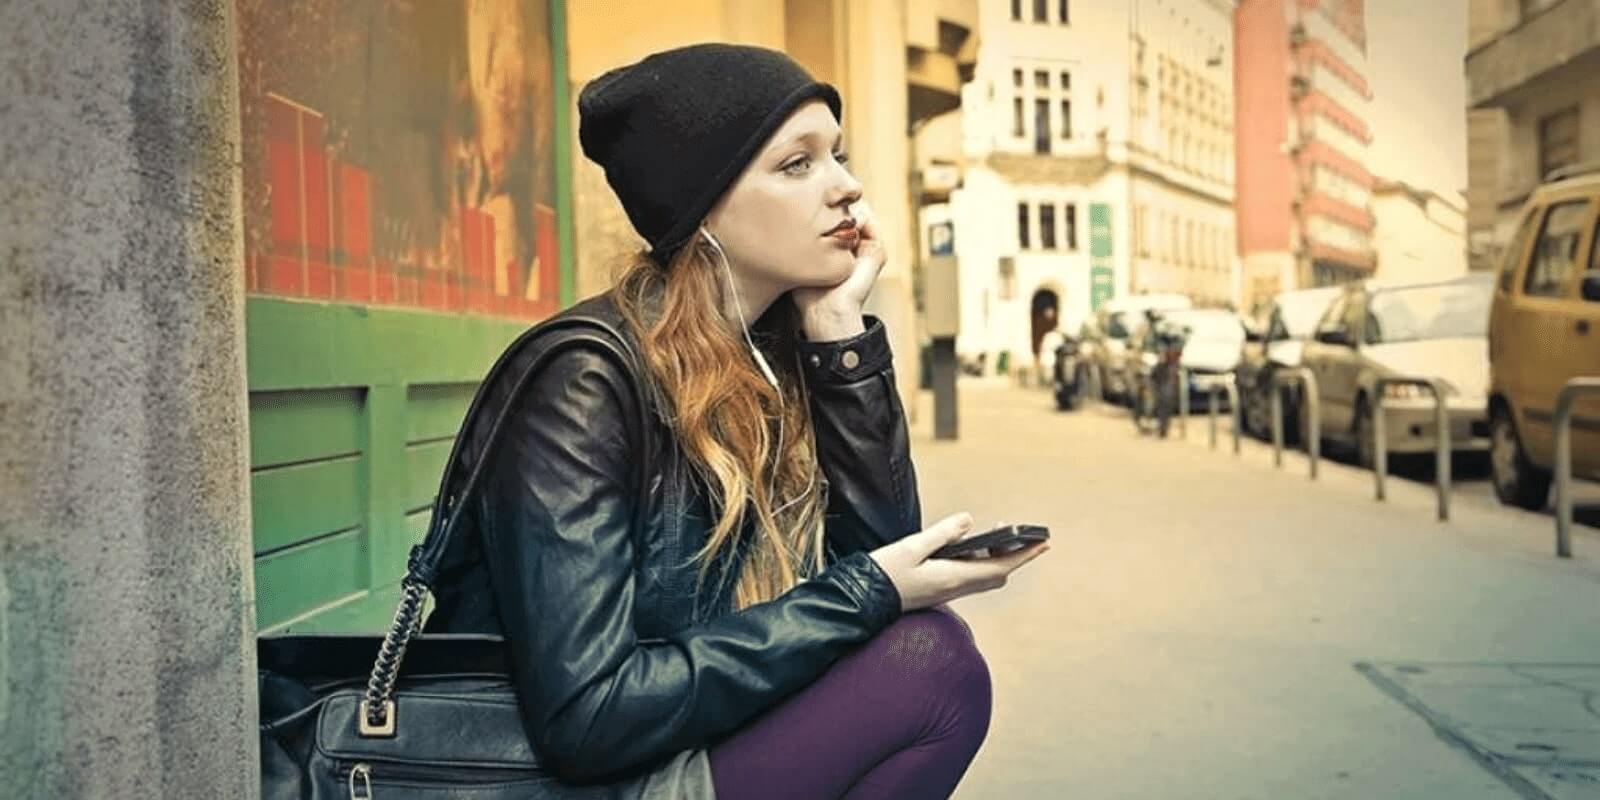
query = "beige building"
{"x": 1098, "y": 149}
{"x": 1533, "y": 107}
{"x": 1419, "y": 234}
{"x": 894, "y": 62}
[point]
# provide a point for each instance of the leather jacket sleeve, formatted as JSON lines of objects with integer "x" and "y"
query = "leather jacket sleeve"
{"x": 862, "y": 442}
{"x": 556, "y": 518}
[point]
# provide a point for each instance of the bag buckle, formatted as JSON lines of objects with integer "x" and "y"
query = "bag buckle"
{"x": 365, "y": 726}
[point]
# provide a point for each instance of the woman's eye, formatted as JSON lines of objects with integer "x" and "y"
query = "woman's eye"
{"x": 842, "y": 157}
{"x": 790, "y": 167}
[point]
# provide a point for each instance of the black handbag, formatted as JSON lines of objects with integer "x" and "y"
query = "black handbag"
{"x": 408, "y": 714}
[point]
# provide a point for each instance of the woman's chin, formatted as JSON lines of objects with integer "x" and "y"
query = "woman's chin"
{"x": 836, "y": 267}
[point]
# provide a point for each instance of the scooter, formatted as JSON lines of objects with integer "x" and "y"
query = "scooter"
{"x": 1069, "y": 374}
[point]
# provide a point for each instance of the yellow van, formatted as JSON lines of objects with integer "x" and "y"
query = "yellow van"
{"x": 1544, "y": 330}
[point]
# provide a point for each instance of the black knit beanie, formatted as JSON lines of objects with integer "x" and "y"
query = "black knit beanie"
{"x": 674, "y": 130}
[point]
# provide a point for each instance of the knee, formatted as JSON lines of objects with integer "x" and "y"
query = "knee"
{"x": 933, "y": 650}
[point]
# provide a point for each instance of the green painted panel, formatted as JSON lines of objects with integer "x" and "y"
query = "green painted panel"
{"x": 370, "y": 612}
{"x": 435, "y": 411}
{"x": 292, "y": 344}
{"x": 292, "y": 504}
{"x": 289, "y": 427}
{"x": 390, "y": 552}
{"x": 297, "y": 580}
{"x": 424, "y": 468}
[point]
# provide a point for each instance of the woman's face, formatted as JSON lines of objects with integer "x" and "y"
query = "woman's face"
{"x": 772, "y": 222}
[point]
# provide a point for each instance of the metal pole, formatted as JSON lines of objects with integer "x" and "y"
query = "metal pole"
{"x": 1380, "y": 440}
{"x": 1441, "y": 418}
{"x": 1277, "y": 426}
{"x": 1211, "y": 414}
{"x": 1312, "y": 407}
{"x": 1234, "y": 410}
{"x": 1183, "y": 403}
{"x": 1442, "y": 443}
{"x": 1565, "y": 401}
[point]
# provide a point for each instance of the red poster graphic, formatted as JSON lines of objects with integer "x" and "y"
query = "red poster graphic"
{"x": 400, "y": 154}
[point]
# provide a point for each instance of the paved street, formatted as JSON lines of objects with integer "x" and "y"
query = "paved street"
{"x": 1195, "y": 630}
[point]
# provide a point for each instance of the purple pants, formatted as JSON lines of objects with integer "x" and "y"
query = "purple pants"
{"x": 900, "y": 716}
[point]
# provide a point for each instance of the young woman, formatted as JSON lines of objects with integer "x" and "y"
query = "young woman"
{"x": 707, "y": 558}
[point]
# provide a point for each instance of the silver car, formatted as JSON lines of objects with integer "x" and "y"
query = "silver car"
{"x": 1372, "y": 331}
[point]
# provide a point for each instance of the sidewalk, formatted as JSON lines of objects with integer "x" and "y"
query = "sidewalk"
{"x": 1196, "y": 631}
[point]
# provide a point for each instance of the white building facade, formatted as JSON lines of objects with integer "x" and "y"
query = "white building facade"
{"x": 1419, "y": 235}
{"x": 1098, "y": 147}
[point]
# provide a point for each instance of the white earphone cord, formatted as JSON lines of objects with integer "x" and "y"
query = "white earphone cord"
{"x": 772, "y": 482}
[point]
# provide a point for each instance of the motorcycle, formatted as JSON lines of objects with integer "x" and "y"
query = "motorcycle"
{"x": 1069, "y": 373}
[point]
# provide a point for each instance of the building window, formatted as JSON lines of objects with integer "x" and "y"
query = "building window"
{"x": 1066, "y": 80}
{"x": 1041, "y": 80}
{"x": 1558, "y": 140}
{"x": 1041, "y": 130}
{"x": 1064, "y": 9}
{"x": 1016, "y": 78}
{"x": 1016, "y": 117}
{"x": 1047, "y": 226}
{"x": 1040, "y": 10}
{"x": 1066, "y": 119}
{"x": 1070, "y": 213}
{"x": 1016, "y": 10}
{"x": 1022, "y": 226}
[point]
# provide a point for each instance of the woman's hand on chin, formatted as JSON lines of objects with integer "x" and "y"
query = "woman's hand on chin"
{"x": 834, "y": 312}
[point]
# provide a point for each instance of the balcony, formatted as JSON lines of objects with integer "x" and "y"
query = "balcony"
{"x": 941, "y": 54}
{"x": 1561, "y": 40}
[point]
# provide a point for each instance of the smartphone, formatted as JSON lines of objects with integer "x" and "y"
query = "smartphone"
{"x": 1000, "y": 541}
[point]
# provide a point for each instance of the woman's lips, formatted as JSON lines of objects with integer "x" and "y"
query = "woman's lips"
{"x": 845, "y": 237}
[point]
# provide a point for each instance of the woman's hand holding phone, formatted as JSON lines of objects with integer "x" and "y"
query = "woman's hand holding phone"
{"x": 924, "y": 582}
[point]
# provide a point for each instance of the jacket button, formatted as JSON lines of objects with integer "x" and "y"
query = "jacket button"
{"x": 850, "y": 360}
{"x": 816, "y": 360}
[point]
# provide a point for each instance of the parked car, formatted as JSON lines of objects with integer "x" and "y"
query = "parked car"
{"x": 1433, "y": 330}
{"x": 1287, "y": 324}
{"x": 1544, "y": 329}
{"x": 1213, "y": 346}
{"x": 1105, "y": 336}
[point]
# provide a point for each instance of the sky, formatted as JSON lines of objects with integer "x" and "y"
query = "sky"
{"x": 1415, "y": 50}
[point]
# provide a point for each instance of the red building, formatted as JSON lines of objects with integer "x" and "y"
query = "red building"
{"x": 1304, "y": 192}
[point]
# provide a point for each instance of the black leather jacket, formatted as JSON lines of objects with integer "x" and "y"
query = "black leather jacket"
{"x": 580, "y": 553}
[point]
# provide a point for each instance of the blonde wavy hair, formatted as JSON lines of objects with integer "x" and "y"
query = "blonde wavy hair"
{"x": 726, "y": 417}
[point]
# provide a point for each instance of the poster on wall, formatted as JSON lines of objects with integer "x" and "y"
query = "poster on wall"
{"x": 400, "y": 153}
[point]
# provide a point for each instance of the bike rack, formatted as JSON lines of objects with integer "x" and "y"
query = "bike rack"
{"x": 1565, "y": 400}
{"x": 1441, "y": 420}
{"x": 1313, "y": 410}
{"x": 1227, "y": 384}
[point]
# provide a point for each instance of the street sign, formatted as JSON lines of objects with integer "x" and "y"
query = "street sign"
{"x": 1102, "y": 272}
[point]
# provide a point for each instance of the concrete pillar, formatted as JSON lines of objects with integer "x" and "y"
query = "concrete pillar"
{"x": 126, "y": 620}
{"x": 879, "y": 140}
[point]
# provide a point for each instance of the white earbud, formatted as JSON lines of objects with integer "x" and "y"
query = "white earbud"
{"x": 755, "y": 352}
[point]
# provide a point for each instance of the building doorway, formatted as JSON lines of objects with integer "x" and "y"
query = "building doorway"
{"x": 1046, "y": 307}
